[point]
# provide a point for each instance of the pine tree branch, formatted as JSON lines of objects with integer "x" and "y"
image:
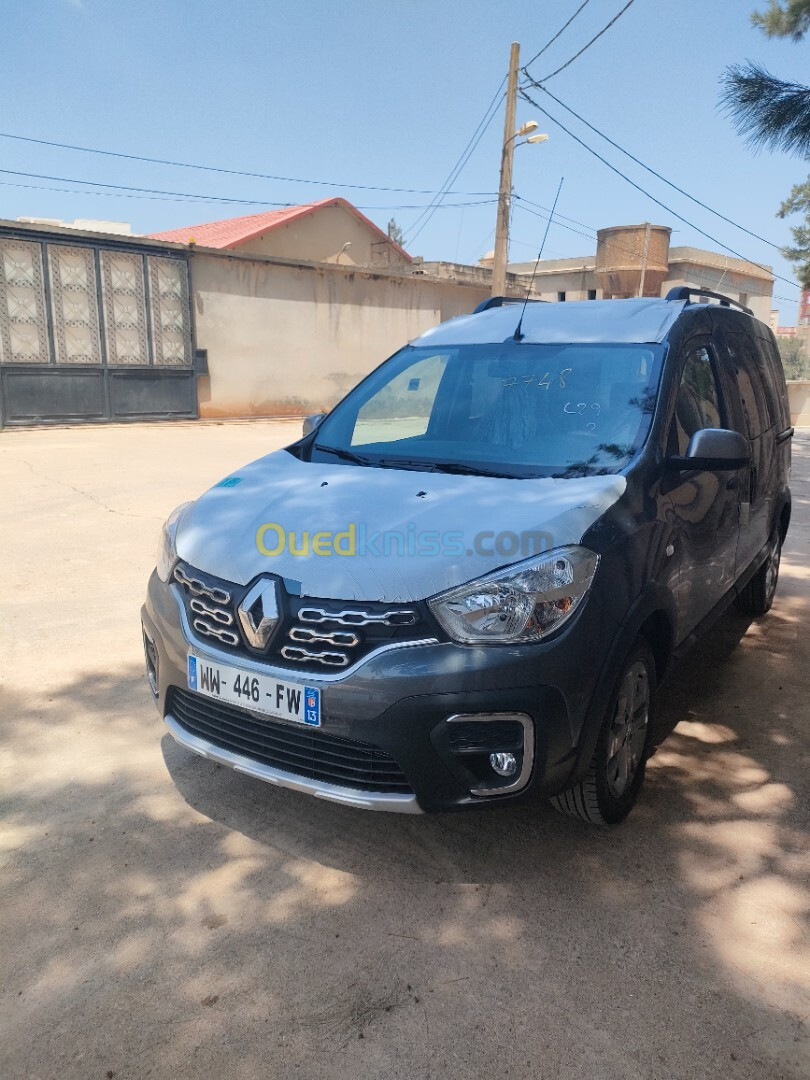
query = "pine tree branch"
{"x": 789, "y": 19}
{"x": 770, "y": 113}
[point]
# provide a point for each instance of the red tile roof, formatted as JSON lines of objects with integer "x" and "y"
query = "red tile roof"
{"x": 232, "y": 232}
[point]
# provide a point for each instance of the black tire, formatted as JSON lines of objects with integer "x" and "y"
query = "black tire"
{"x": 757, "y": 596}
{"x": 601, "y": 798}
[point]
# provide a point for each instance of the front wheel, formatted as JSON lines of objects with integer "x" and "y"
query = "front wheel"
{"x": 610, "y": 788}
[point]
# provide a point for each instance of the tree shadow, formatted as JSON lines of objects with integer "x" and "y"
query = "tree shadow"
{"x": 164, "y": 916}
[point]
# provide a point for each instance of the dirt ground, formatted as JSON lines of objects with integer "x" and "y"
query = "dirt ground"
{"x": 165, "y": 917}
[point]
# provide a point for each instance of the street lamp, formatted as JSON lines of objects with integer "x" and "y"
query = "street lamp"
{"x": 505, "y": 189}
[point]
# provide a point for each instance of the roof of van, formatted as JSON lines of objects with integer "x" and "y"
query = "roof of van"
{"x": 574, "y": 321}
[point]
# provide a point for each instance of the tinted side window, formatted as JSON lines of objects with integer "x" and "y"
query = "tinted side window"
{"x": 698, "y": 402}
{"x": 749, "y": 383}
{"x": 773, "y": 380}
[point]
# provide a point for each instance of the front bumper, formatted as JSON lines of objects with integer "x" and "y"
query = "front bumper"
{"x": 404, "y": 700}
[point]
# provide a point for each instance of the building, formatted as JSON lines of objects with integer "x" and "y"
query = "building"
{"x": 272, "y": 314}
{"x": 267, "y": 315}
{"x": 328, "y": 231}
{"x": 637, "y": 260}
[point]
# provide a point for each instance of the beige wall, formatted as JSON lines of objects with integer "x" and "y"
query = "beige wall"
{"x": 799, "y": 395}
{"x": 574, "y": 283}
{"x": 319, "y": 237}
{"x": 750, "y": 290}
{"x": 292, "y": 339}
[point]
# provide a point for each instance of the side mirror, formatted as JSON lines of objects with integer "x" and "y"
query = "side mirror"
{"x": 313, "y": 421}
{"x": 713, "y": 450}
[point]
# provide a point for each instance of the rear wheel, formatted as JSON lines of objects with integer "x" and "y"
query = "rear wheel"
{"x": 607, "y": 793}
{"x": 757, "y": 596}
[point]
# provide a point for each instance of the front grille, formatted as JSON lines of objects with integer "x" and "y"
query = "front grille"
{"x": 318, "y": 635}
{"x": 306, "y": 752}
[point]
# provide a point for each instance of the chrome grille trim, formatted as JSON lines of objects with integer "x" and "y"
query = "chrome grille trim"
{"x": 217, "y": 614}
{"x": 266, "y": 666}
{"x": 341, "y": 638}
{"x": 352, "y": 617}
{"x": 207, "y": 630}
{"x": 301, "y": 655}
{"x": 199, "y": 588}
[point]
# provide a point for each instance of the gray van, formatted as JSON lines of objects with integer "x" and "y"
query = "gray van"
{"x": 464, "y": 584}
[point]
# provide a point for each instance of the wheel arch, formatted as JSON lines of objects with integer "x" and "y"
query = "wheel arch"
{"x": 784, "y": 518}
{"x": 652, "y": 617}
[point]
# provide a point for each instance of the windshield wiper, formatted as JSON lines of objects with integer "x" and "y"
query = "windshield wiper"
{"x": 345, "y": 455}
{"x": 443, "y": 466}
{"x": 470, "y": 470}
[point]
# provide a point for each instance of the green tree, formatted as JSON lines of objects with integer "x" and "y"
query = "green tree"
{"x": 799, "y": 252}
{"x": 795, "y": 360}
{"x": 790, "y": 18}
{"x": 395, "y": 233}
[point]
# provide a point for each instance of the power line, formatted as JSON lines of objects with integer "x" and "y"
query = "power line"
{"x": 584, "y": 48}
{"x": 464, "y": 157}
{"x": 115, "y": 194}
{"x": 565, "y": 26}
{"x": 187, "y": 196}
{"x": 132, "y": 187}
{"x": 519, "y": 202}
{"x": 658, "y": 202}
{"x": 228, "y": 172}
{"x": 653, "y": 172}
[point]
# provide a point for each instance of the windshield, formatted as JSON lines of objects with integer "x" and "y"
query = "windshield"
{"x": 511, "y": 409}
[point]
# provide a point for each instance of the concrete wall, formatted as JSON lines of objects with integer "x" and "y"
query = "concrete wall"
{"x": 320, "y": 237}
{"x": 750, "y": 284}
{"x": 285, "y": 339}
{"x": 799, "y": 395}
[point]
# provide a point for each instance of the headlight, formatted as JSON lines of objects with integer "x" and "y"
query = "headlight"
{"x": 167, "y": 553}
{"x": 521, "y": 603}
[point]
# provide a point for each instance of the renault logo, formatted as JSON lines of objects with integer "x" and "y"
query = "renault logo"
{"x": 258, "y": 613}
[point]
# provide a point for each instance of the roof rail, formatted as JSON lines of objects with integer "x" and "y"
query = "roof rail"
{"x": 499, "y": 301}
{"x": 684, "y": 292}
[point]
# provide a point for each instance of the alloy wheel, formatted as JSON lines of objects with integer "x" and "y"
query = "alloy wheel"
{"x": 772, "y": 572}
{"x": 628, "y": 730}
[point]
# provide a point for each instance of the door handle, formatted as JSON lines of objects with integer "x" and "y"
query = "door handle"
{"x": 732, "y": 484}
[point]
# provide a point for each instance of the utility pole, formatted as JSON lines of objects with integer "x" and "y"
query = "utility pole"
{"x": 505, "y": 189}
{"x": 644, "y": 257}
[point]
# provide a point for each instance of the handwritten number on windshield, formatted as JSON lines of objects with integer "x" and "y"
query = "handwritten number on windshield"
{"x": 546, "y": 382}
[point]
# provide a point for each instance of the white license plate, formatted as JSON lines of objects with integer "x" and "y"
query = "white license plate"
{"x": 258, "y": 693}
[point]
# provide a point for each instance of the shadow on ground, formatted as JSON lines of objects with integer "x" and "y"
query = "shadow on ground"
{"x": 165, "y": 917}
{"x": 215, "y": 925}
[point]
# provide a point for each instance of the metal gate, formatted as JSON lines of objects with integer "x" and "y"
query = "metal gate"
{"x": 91, "y": 332}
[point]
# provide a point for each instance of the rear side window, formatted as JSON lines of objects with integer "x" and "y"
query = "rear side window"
{"x": 697, "y": 405}
{"x": 773, "y": 381}
{"x": 748, "y": 377}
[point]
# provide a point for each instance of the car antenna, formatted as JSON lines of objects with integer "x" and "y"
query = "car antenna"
{"x": 518, "y": 335}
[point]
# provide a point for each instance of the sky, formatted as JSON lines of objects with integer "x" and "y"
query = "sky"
{"x": 387, "y": 94}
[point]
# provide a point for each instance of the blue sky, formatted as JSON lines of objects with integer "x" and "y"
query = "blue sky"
{"x": 388, "y": 94}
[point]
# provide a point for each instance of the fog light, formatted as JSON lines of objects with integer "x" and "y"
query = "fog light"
{"x": 503, "y": 764}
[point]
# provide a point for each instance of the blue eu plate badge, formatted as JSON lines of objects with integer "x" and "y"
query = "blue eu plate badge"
{"x": 192, "y": 672}
{"x": 312, "y": 706}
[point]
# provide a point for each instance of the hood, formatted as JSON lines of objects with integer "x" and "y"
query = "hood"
{"x": 400, "y": 535}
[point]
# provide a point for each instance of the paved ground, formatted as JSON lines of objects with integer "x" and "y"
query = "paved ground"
{"x": 163, "y": 917}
